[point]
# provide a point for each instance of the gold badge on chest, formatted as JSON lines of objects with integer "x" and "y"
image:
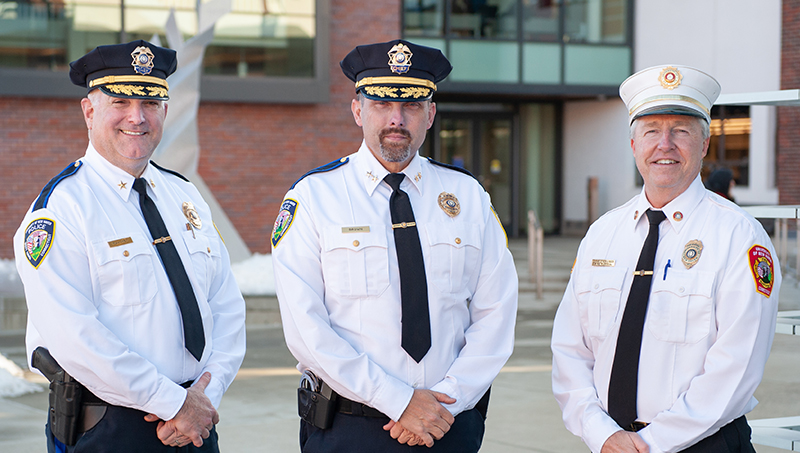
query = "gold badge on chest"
{"x": 449, "y": 204}
{"x": 191, "y": 215}
{"x": 691, "y": 253}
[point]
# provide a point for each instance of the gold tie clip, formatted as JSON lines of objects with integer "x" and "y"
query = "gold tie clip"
{"x": 642, "y": 273}
{"x": 404, "y": 225}
{"x": 165, "y": 239}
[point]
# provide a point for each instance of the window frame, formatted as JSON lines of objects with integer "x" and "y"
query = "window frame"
{"x": 216, "y": 88}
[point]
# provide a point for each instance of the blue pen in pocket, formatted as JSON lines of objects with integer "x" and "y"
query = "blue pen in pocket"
{"x": 669, "y": 263}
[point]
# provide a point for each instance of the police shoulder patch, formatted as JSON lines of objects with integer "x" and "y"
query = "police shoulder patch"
{"x": 762, "y": 268}
{"x": 284, "y": 220}
{"x": 39, "y": 237}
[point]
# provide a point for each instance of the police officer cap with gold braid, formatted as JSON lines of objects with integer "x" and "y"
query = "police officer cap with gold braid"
{"x": 396, "y": 70}
{"x": 135, "y": 70}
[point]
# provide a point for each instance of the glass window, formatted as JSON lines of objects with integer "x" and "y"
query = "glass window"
{"x": 423, "y": 17}
{"x": 484, "y": 18}
{"x": 540, "y": 20}
{"x": 730, "y": 142}
{"x": 601, "y": 21}
{"x": 257, "y": 38}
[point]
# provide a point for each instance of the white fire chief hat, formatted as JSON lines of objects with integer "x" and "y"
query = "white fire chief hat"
{"x": 669, "y": 90}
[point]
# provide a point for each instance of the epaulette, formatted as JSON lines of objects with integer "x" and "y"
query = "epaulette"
{"x": 453, "y": 167}
{"x": 44, "y": 195}
{"x": 327, "y": 167}
{"x": 172, "y": 172}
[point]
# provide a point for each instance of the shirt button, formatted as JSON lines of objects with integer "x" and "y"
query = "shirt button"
{"x": 596, "y": 286}
{"x": 458, "y": 240}
{"x": 125, "y": 253}
{"x": 681, "y": 289}
{"x": 209, "y": 249}
{"x": 356, "y": 243}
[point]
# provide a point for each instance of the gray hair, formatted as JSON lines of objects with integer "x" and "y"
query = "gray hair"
{"x": 705, "y": 128}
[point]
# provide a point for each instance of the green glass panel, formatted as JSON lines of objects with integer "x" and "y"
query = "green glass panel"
{"x": 476, "y": 61}
{"x": 596, "y": 65}
{"x": 541, "y": 63}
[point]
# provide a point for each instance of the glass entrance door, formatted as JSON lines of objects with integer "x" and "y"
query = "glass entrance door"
{"x": 482, "y": 144}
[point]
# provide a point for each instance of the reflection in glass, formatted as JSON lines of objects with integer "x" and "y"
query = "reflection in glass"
{"x": 456, "y": 141}
{"x": 484, "y": 18}
{"x": 729, "y": 146}
{"x": 423, "y": 17}
{"x": 595, "y": 20}
{"x": 258, "y": 38}
{"x": 540, "y": 20}
{"x": 495, "y": 171}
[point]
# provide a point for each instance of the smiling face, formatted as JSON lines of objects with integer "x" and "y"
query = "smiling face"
{"x": 393, "y": 131}
{"x": 124, "y": 131}
{"x": 669, "y": 151}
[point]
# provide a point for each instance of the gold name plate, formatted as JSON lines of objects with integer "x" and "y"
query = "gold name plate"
{"x": 118, "y": 242}
{"x": 603, "y": 263}
{"x": 355, "y": 229}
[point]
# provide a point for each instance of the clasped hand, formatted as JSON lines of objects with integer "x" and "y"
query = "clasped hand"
{"x": 193, "y": 422}
{"x": 424, "y": 420}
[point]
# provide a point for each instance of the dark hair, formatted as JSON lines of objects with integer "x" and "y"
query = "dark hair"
{"x": 719, "y": 181}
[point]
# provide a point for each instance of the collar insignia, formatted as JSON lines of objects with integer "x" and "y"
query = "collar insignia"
{"x": 122, "y": 185}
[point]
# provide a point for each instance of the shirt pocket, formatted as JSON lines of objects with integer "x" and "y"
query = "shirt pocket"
{"x": 454, "y": 258}
{"x": 355, "y": 264}
{"x": 205, "y": 254}
{"x": 679, "y": 310}
{"x": 601, "y": 289}
{"x": 125, "y": 272}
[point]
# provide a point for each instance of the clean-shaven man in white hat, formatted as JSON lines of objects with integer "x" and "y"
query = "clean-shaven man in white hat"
{"x": 666, "y": 324}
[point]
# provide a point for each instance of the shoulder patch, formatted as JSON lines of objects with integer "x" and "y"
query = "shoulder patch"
{"x": 458, "y": 169}
{"x": 327, "y": 167}
{"x": 39, "y": 236}
{"x": 762, "y": 268}
{"x": 172, "y": 172}
{"x": 44, "y": 195}
{"x": 284, "y": 220}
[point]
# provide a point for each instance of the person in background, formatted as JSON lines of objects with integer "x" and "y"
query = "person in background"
{"x": 721, "y": 182}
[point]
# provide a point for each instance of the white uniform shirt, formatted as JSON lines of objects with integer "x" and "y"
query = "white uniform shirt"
{"x": 338, "y": 285}
{"x": 708, "y": 330}
{"x": 107, "y": 312}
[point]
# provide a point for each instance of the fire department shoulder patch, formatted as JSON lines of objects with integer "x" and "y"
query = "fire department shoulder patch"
{"x": 284, "y": 220}
{"x": 762, "y": 268}
{"x": 38, "y": 238}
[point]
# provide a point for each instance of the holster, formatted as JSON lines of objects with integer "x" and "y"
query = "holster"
{"x": 65, "y": 397}
{"x": 316, "y": 402}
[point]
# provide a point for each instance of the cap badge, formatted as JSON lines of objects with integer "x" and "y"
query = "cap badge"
{"x": 400, "y": 59}
{"x": 142, "y": 60}
{"x": 191, "y": 215}
{"x": 670, "y": 77}
{"x": 691, "y": 253}
{"x": 449, "y": 204}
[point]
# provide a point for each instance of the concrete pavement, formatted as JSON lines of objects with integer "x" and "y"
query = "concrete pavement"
{"x": 259, "y": 411}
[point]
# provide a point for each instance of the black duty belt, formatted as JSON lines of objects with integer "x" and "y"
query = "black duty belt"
{"x": 350, "y": 407}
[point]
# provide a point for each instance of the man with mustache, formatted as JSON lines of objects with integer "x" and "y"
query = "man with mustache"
{"x": 668, "y": 318}
{"x": 396, "y": 287}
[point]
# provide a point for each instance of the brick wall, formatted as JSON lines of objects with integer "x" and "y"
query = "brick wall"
{"x": 250, "y": 153}
{"x": 788, "y": 154}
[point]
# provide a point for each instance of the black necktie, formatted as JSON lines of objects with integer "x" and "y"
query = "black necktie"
{"x": 625, "y": 370}
{"x": 413, "y": 284}
{"x": 190, "y": 313}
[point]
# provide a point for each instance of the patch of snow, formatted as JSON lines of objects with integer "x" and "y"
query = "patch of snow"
{"x": 254, "y": 275}
{"x": 11, "y": 381}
